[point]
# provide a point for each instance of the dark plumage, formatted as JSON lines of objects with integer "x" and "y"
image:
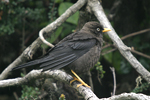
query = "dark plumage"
{"x": 78, "y": 51}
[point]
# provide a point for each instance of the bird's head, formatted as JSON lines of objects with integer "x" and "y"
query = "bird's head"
{"x": 95, "y": 28}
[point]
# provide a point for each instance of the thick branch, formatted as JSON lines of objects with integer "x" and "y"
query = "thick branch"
{"x": 124, "y": 50}
{"x": 57, "y": 74}
{"x": 29, "y": 51}
{"x": 62, "y": 76}
{"x": 128, "y": 96}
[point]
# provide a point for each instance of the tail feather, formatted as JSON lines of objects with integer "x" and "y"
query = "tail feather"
{"x": 35, "y": 62}
{"x": 39, "y": 61}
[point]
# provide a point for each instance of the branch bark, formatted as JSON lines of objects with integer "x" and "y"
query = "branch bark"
{"x": 29, "y": 51}
{"x": 128, "y": 96}
{"x": 132, "y": 48}
{"x": 57, "y": 74}
{"x": 129, "y": 35}
{"x": 62, "y": 76}
{"x": 124, "y": 50}
{"x": 114, "y": 78}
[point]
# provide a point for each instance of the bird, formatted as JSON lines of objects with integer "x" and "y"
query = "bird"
{"x": 76, "y": 53}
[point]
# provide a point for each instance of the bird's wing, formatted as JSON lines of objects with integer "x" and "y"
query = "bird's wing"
{"x": 62, "y": 54}
{"x": 72, "y": 52}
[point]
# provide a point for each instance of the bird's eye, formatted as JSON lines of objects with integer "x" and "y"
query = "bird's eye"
{"x": 98, "y": 29}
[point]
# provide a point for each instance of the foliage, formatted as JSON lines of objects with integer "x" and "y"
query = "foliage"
{"x": 28, "y": 92}
{"x": 16, "y": 13}
{"x": 143, "y": 87}
{"x": 100, "y": 70}
{"x": 52, "y": 11}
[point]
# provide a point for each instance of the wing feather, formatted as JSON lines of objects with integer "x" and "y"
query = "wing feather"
{"x": 62, "y": 54}
{"x": 58, "y": 65}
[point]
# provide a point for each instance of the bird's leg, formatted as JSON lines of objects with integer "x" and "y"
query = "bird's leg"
{"x": 78, "y": 79}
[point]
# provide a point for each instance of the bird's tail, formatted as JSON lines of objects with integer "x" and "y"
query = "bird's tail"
{"x": 34, "y": 62}
{"x": 45, "y": 59}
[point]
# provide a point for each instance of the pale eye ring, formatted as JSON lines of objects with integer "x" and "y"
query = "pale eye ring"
{"x": 98, "y": 29}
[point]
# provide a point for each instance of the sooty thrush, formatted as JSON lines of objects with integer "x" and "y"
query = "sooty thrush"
{"x": 77, "y": 52}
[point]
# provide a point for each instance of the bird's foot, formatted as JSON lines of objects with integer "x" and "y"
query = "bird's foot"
{"x": 77, "y": 78}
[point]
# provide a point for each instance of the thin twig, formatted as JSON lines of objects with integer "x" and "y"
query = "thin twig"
{"x": 140, "y": 53}
{"x": 132, "y": 50}
{"x": 114, "y": 9}
{"x": 15, "y": 95}
{"x": 23, "y": 33}
{"x": 114, "y": 77}
{"x": 106, "y": 46}
{"x": 98, "y": 77}
{"x": 43, "y": 39}
{"x": 135, "y": 33}
{"x": 111, "y": 50}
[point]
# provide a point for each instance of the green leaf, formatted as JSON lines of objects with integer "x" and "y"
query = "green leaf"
{"x": 63, "y": 7}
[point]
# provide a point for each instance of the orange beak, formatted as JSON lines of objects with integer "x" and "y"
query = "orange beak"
{"x": 106, "y": 30}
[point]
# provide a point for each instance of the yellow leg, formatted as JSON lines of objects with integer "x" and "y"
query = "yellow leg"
{"x": 74, "y": 79}
{"x": 78, "y": 79}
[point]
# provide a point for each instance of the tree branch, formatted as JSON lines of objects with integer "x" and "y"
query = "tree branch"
{"x": 114, "y": 78}
{"x": 128, "y": 96}
{"x": 57, "y": 74}
{"x": 140, "y": 53}
{"x": 124, "y": 50}
{"x": 29, "y": 51}
{"x": 135, "y": 33}
{"x": 129, "y": 35}
{"x": 62, "y": 76}
{"x": 132, "y": 48}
